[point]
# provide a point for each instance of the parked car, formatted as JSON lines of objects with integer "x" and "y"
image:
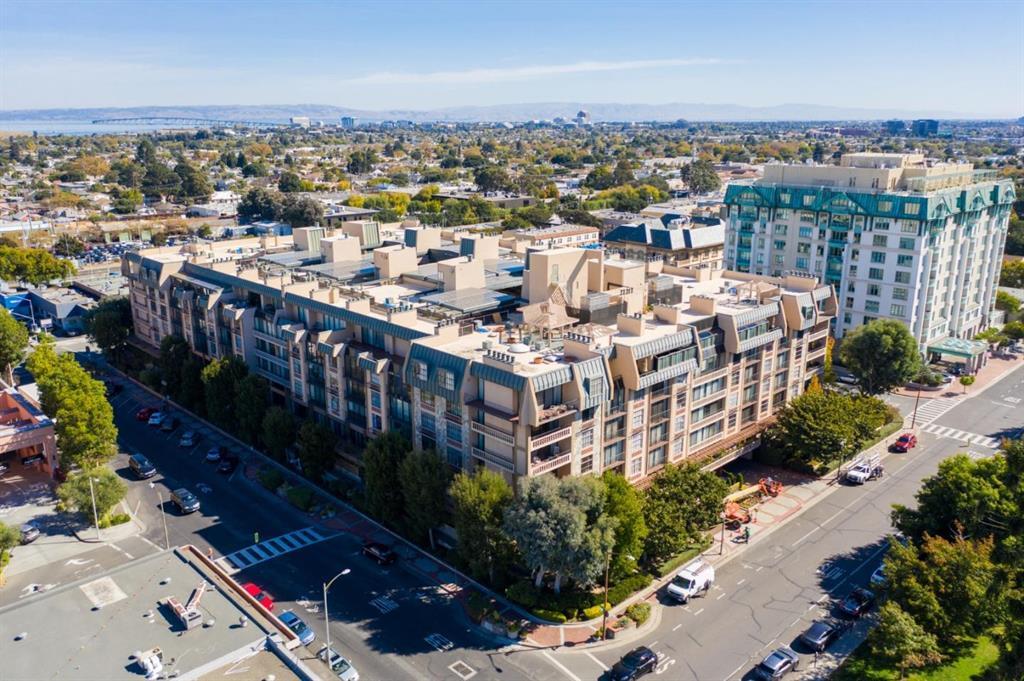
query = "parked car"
{"x": 170, "y": 424}
{"x": 634, "y": 664}
{"x": 293, "y": 622}
{"x": 113, "y": 389}
{"x": 779, "y": 662}
{"x": 144, "y": 413}
{"x": 905, "y": 443}
{"x": 382, "y": 553}
{"x": 821, "y": 635}
{"x": 857, "y": 603}
{"x": 228, "y": 463}
{"x": 141, "y": 466}
{"x": 29, "y": 533}
{"x": 157, "y": 418}
{"x": 214, "y": 454}
{"x": 259, "y": 594}
{"x": 188, "y": 439}
{"x": 863, "y": 471}
{"x": 693, "y": 579}
{"x": 878, "y": 576}
{"x": 341, "y": 667}
{"x": 848, "y": 379}
{"x": 185, "y": 500}
{"x": 3, "y": 468}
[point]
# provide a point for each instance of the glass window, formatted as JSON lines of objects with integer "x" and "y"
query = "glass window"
{"x": 898, "y": 310}
{"x": 875, "y": 273}
{"x": 878, "y": 258}
{"x": 902, "y": 277}
{"x": 636, "y": 466}
{"x": 879, "y": 240}
{"x": 904, "y": 260}
{"x": 638, "y": 418}
{"x": 421, "y": 369}
{"x": 447, "y": 379}
{"x": 806, "y": 232}
{"x": 899, "y": 294}
{"x": 873, "y": 289}
{"x": 906, "y": 244}
{"x": 656, "y": 457}
{"x": 871, "y": 306}
{"x": 636, "y": 442}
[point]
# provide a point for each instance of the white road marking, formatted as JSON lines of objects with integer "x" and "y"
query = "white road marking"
{"x": 600, "y": 664}
{"x": 462, "y": 670}
{"x": 384, "y": 604}
{"x": 740, "y": 582}
{"x": 158, "y": 548}
{"x": 720, "y": 596}
{"x": 440, "y": 643}
{"x": 565, "y": 670}
{"x": 734, "y": 671}
{"x": 759, "y": 569}
{"x": 698, "y": 612}
{"x": 676, "y": 627}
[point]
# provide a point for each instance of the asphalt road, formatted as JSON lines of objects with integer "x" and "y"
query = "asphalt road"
{"x": 396, "y": 624}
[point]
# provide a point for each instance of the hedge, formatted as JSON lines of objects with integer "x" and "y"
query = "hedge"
{"x": 673, "y": 563}
{"x": 627, "y": 588}
{"x": 271, "y": 479}
{"x": 301, "y": 498}
{"x": 550, "y": 615}
{"x": 595, "y": 611}
{"x": 639, "y": 612}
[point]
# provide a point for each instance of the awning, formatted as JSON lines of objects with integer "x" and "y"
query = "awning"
{"x": 959, "y": 347}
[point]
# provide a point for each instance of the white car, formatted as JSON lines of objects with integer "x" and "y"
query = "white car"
{"x": 878, "y": 576}
{"x": 338, "y": 664}
{"x": 860, "y": 473}
{"x": 188, "y": 439}
{"x": 157, "y": 419}
{"x": 693, "y": 579}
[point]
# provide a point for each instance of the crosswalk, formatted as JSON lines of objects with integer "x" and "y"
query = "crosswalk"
{"x": 384, "y": 604}
{"x": 963, "y": 436}
{"x": 931, "y": 410}
{"x": 271, "y": 548}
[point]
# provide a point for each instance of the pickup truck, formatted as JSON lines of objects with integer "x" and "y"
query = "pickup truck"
{"x": 692, "y": 580}
{"x": 864, "y": 470}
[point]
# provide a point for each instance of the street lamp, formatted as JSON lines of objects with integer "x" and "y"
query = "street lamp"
{"x": 604, "y": 604}
{"x": 327, "y": 619}
{"x": 95, "y": 515}
{"x": 163, "y": 514}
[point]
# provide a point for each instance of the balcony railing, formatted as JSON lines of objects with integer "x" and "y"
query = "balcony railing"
{"x": 557, "y": 411}
{"x": 496, "y": 459}
{"x": 538, "y": 467}
{"x": 493, "y": 433}
{"x": 550, "y": 438}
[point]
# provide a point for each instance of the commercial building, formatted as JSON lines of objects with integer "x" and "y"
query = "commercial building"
{"x": 542, "y": 364}
{"x": 924, "y": 127}
{"x": 898, "y": 236}
{"x": 554, "y": 236}
{"x": 26, "y": 433}
{"x": 684, "y": 241}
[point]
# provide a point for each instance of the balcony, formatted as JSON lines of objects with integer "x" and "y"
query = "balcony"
{"x": 493, "y": 433}
{"x": 549, "y": 438}
{"x": 557, "y": 411}
{"x": 496, "y": 459}
{"x": 539, "y": 466}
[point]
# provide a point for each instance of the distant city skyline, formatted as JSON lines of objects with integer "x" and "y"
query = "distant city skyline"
{"x": 958, "y": 57}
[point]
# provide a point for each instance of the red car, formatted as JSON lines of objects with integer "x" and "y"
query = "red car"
{"x": 906, "y": 442}
{"x": 144, "y": 413}
{"x": 259, "y": 594}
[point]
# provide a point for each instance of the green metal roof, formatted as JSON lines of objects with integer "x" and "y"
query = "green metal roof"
{"x": 958, "y": 347}
{"x": 496, "y": 375}
{"x": 560, "y": 376}
{"x": 663, "y": 344}
{"x": 655, "y": 377}
{"x": 353, "y": 317}
{"x": 593, "y": 375}
{"x": 435, "y": 360}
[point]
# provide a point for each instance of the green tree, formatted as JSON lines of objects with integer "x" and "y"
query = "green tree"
{"x": 68, "y": 246}
{"x": 289, "y": 182}
{"x": 32, "y": 265}
{"x": 317, "y": 449}
{"x": 160, "y": 181}
{"x": 479, "y": 502}
{"x": 251, "y": 395}
{"x": 13, "y": 341}
{"x": 109, "y": 324}
{"x": 145, "y": 152}
{"x": 255, "y": 169}
{"x": 882, "y": 354}
{"x": 361, "y": 161}
{"x": 1012, "y": 274}
{"x": 127, "y": 201}
{"x": 600, "y": 178}
{"x": 623, "y": 173}
{"x": 382, "y": 460}
{"x": 624, "y": 503}
{"x": 174, "y": 350}
{"x": 194, "y": 182}
{"x": 302, "y": 211}
{"x": 901, "y": 641}
{"x": 681, "y": 502}
{"x": 220, "y": 380}
{"x": 278, "y": 431}
{"x": 424, "y": 478}
{"x": 491, "y": 179}
{"x": 108, "y": 488}
{"x": 966, "y": 381}
{"x": 1007, "y": 303}
{"x": 127, "y": 173}
{"x": 190, "y": 388}
{"x": 962, "y": 496}
{"x": 10, "y": 537}
{"x": 259, "y": 204}
{"x": 700, "y": 177}
{"x": 1014, "y": 330}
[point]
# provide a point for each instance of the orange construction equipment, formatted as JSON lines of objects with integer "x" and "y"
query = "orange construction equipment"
{"x": 735, "y": 512}
{"x": 770, "y": 487}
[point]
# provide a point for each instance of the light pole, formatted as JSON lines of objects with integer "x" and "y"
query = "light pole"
{"x": 163, "y": 514}
{"x": 917, "y": 400}
{"x": 327, "y": 619}
{"x": 95, "y": 515}
{"x": 604, "y": 602}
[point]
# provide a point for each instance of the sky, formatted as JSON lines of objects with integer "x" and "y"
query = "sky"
{"x": 964, "y": 57}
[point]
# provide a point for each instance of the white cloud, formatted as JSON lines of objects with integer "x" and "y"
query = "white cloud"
{"x": 497, "y": 75}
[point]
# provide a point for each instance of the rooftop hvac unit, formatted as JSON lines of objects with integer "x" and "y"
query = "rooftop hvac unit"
{"x": 488, "y": 345}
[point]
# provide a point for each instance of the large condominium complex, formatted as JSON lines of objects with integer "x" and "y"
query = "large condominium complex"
{"x": 568, "y": 362}
{"x": 899, "y": 237}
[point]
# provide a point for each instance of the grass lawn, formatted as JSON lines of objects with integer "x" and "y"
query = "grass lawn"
{"x": 862, "y": 667}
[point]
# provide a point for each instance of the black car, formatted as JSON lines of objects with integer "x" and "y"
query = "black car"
{"x": 228, "y": 464}
{"x": 113, "y": 389}
{"x": 634, "y": 664}
{"x": 141, "y": 466}
{"x": 170, "y": 424}
{"x": 382, "y": 553}
{"x": 821, "y": 635}
{"x": 779, "y": 662}
{"x": 857, "y": 603}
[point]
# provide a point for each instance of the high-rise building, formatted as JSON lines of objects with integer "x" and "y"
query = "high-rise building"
{"x": 925, "y": 127}
{"x": 895, "y": 127}
{"x": 899, "y": 237}
{"x": 348, "y": 122}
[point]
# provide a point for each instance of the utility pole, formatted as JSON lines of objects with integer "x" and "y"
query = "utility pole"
{"x": 917, "y": 400}
{"x": 604, "y": 603}
{"x": 95, "y": 515}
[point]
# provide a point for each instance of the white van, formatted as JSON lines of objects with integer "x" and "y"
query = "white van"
{"x": 692, "y": 580}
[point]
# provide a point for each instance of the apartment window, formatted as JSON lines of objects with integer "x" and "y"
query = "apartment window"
{"x": 849, "y": 301}
{"x": 911, "y": 208}
{"x": 781, "y": 230}
{"x": 677, "y": 447}
{"x": 453, "y": 431}
{"x": 871, "y": 306}
{"x": 636, "y": 442}
{"x": 879, "y": 240}
{"x": 909, "y": 227}
{"x": 447, "y": 379}
{"x": 749, "y": 393}
{"x": 885, "y": 206}
{"x": 656, "y": 457}
{"x": 906, "y": 244}
{"x": 854, "y": 255}
{"x": 706, "y": 433}
{"x": 808, "y": 199}
{"x": 847, "y": 318}
{"x": 902, "y": 277}
{"x": 904, "y": 260}
{"x": 899, "y": 294}
{"x": 680, "y": 423}
{"x": 636, "y": 466}
{"x": 779, "y": 245}
{"x": 587, "y": 464}
{"x": 421, "y": 369}
{"x": 878, "y": 258}
{"x": 801, "y": 263}
{"x": 853, "y": 270}
{"x": 898, "y": 310}
{"x": 873, "y": 289}
{"x": 710, "y": 388}
{"x": 806, "y": 216}
{"x": 805, "y": 232}
{"x": 779, "y": 260}
{"x": 614, "y": 454}
{"x": 587, "y": 438}
{"x": 803, "y": 248}
{"x": 638, "y": 418}
{"x": 875, "y": 273}
{"x": 554, "y": 273}
{"x": 658, "y": 433}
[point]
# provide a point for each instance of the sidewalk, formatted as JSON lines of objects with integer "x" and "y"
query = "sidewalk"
{"x": 995, "y": 369}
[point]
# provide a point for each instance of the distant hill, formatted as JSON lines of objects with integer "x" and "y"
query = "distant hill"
{"x": 498, "y": 112}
